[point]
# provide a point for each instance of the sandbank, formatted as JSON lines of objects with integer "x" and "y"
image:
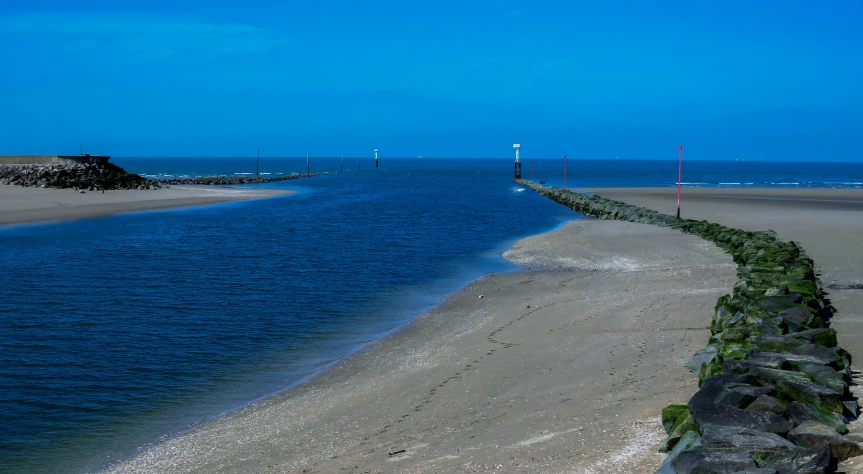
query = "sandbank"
{"x": 26, "y": 205}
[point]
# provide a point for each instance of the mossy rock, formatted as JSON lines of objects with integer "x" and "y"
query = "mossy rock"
{"x": 735, "y": 350}
{"x": 672, "y": 416}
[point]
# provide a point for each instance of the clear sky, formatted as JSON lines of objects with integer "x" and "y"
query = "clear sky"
{"x": 727, "y": 79}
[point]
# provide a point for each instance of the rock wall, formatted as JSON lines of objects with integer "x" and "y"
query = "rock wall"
{"x": 225, "y": 180}
{"x": 773, "y": 393}
{"x": 90, "y": 177}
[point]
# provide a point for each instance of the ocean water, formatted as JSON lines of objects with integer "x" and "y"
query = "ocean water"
{"x": 117, "y": 332}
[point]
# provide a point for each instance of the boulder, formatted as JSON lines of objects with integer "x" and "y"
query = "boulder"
{"x": 741, "y": 397}
{"x": 766, "y": 403}
{"x": 672, "y": 415}
{"x": 733, "y": 438}
{"x": 814, "y": 435}
{"x": 703, "y": 461}
{"x": 822, "y": 336}
{"x": 803, "y": 413}
{"x": 799, "y": 461}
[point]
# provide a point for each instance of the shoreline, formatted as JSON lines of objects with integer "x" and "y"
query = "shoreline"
{"x": 400, "y": 368}
{"x": 27, "y": 205}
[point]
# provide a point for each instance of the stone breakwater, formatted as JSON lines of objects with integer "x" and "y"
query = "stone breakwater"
{"x": 85, "y": 177}
{"x": 773, "y": 393}
{"x": 227, "y": 180}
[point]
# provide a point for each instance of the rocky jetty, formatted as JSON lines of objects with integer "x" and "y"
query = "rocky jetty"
{"x": 88, "y": 177}
{"x": 773, "y": 392}
{"x": 227, "y": 180}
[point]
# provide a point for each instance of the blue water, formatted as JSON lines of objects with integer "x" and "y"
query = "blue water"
{"x": 584, "y": 173}
{"x": 116, "y": 332}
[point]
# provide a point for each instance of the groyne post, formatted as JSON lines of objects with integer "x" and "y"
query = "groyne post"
{"x": 679, "y": 175}
{"x": 258, "y": 164}
{"x": 342, "y": 166}
{"x": 308, "y": 168}
{"x": 564, "y": 171}
{"x": 358, "y": 162}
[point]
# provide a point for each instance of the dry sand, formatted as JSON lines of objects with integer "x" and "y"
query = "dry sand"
{"x": 557, "y": 370}
{"x": 21, "y": 205}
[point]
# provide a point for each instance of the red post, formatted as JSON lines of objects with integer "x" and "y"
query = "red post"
{"x": 564, "y": 171}
{"x": 679, "y": 176}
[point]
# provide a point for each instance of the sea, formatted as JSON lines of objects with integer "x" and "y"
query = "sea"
{"x": 119, "y": 332}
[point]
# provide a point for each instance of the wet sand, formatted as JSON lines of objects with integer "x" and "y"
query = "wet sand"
{"x": 20, "y": 205}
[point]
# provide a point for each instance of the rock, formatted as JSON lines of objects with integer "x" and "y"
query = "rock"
{"x": 803, "y": 412}
{"x": 802, "y": 316}
{"x": 797, "y": 386}
{"x": 741, "y": 397}
{"x": 678, "y": 432}
{"x": 822, "y": 336}
{"x": 706, "y": 355}
{"x": 733, "y": 438}
{"x": 812, "y": 434}
{"x": 775, "y": 343}
{"x": 827, "y": 353}
{"x": 690, "y": 440}
{"x": 766, "y": 403}
{"x": 796, "y": 360}
{"x": 758, "y": 470}
{"x": 746, "y": 366}
{"x": 703, "y": 461}
{"x": 812, "y": 461}
{"x": 732, "y": 416}
{"x": 851, "y": 408}
{"x": 672, "y": 415}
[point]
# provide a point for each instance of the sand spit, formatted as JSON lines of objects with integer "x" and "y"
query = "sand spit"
{"x": 20, "y": 205}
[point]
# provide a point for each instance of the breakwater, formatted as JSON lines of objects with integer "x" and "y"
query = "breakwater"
{"x": 773, "y": 391}
{"x": 85, "y": 177}
{"x": 228, "y": 180}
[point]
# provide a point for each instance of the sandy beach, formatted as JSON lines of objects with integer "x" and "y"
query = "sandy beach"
{"x": 545, "y": 371}
{"x": 20, "y": 205}
{"x": 563, "y": 369}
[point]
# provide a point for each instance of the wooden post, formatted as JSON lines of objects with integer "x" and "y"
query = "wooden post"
{"x": 564, "y": 171}
{"x": 308, "y": 168}
{"x": 679, "y": 176}
{"x": 258, "y": 165}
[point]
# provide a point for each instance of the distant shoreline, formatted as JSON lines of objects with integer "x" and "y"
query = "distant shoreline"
{"x": 28, "y": 205}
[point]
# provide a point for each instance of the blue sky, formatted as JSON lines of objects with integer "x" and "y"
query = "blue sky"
{"x": 727, "y": 79}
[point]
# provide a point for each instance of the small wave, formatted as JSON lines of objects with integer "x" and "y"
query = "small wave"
{"x": 245, "y": 174}
{"x": 730, "y": 184}
{"x": 517, "y": 190}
